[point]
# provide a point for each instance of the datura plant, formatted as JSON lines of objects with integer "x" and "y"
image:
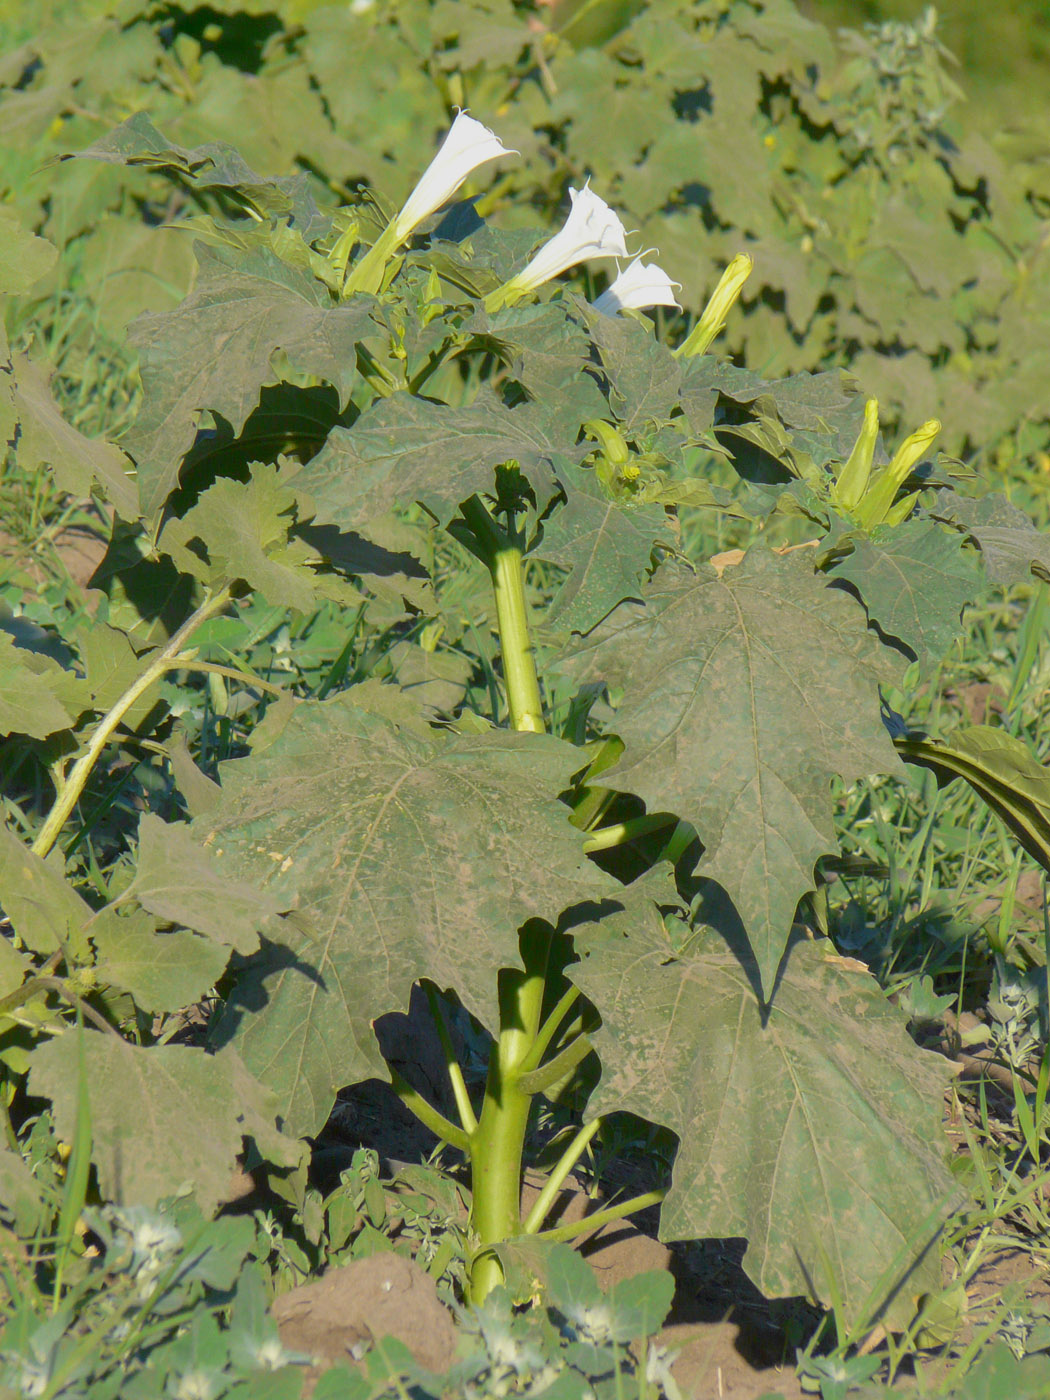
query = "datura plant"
{"x": 569, "y": 778}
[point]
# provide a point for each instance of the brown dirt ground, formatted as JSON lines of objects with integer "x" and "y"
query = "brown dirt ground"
{"x": 78, "y": 548}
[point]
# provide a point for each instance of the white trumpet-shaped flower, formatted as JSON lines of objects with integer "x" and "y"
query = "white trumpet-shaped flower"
{"x": 639, "y": 286}
{"x": 468, "y": 144}
{"x": 592, "y": 230}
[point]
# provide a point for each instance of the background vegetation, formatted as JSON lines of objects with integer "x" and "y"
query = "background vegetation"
{"x": 897, "y": 231}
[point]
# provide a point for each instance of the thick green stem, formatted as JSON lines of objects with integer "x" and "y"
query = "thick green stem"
{"x": 168, "y": 658}
{"x": 606, "y": 837}
{"x": 501, "y": 551}
{"x": 496, "y": 1146}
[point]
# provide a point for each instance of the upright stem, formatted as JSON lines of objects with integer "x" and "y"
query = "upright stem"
{"x": 497, "y": 1144}
{"x": 498, "y": 1141}
{"x": 162, "y": 661}
{"x": 501, "y": 551}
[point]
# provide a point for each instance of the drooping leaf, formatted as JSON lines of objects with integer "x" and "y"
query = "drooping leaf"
{"x": 741, "y": 696}
{"x": 179, "y": 881}
{"x": 1013, "y": 548}
{"x": 914, "y": 580}
{"x": 24, "y": 258}
{"x": 604, "y": 545}
{"x": 216, "y": 352}
{"x": 77, "y": 462}
{"x": 406, "y": 449}
{"x": 214, "y": 165}
{"x": 30, "y": 684}
{"x": 162, "y": 971}
{"x": 812, "y": 402}
{"x": 1001, "y": 770}
{"x": 815, "y": 1132}
{"x": 162, "y": 1116}
{"x": 405, "y": 855}
{"x": 44, "y": 909}
{"x": 21, "y": 1202}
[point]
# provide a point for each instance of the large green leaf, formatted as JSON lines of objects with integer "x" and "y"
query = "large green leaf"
{"x": 813, "y": 1132}
{"x": 1013, "y": 548}
{"x": 741, "y": 696}
{"x": 242, "y": 528}
{"x": 162, "y": 1116}
{"x": 217, "y": 351}
{"x": 604, "y": 545}
{"x": 914, "y": 580}
{"x": 407, "y": 449}
{"x": 405, "y": 855}
{"x": 34, "y": 691}
{"x": 178, "y": 881}
{"x": 45, "y": 439}
{"x": 45, "y": 911}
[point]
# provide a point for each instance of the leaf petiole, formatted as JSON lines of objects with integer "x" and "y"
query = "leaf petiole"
{"x": 572, "y": 1154}
{"x": 537, "y": 1080}
{"x": 427, "y": 1114}
{"x": 602, "y": 1217}
{"x": 73, "y": 784}
{"x": 464, "y": 1107}
{"x": 547, "y": 1031}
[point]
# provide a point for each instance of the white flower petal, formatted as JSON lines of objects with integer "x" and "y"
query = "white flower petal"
{"x": 638, "y": 287}
{"x": 468, "y": 144}
{"x": 592, "y": 230}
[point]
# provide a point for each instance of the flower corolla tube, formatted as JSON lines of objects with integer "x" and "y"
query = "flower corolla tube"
{"x": 638, "y": 287}
{"x": 592, "y": 230}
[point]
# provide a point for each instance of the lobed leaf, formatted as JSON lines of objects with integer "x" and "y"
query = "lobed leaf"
{"x": 243, "y": 530}
{"x": 914, "y": 580}
{"x": 813, "y": 1130}
{"x": 34, "y": 692}
{"x": 1012, "y": 547}
{"x": 45, "y": 911}
{"x": 162, "y": 971}
{"x": 45, "y": 439}
{"x": 404, "y": 854}
{"x": 162, "y": 1117}
{"x": 742, "y": 695}
{"x": 178, "y": 881}
{"x": 216, "y": 352}
{"x": 604, "y": 545}
{"x": 407, "y": 449}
